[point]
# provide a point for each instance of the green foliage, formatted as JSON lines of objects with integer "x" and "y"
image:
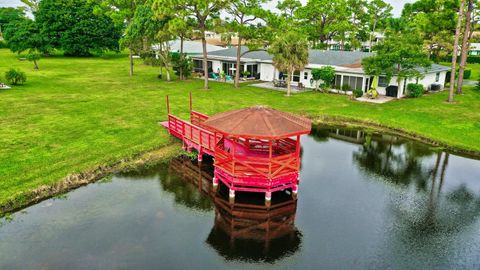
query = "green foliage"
{"x": 357, "y": 93}
{"x": 414, "y": 90}
{"x": 245, "y": 73}
{"x": 27, "y": 36}
{"x": 15, "y": 76}
{"x": 400, "y": 54}
{"x": 467, "y": 73}
{"x": 290, "y": 53}
{"x": 75, "y": 28}
{"x": 9, "y": 16}
{"x": 326, "y": 74}
{"x": 346, "y": 88}
{"x": 471, "y": 59}
{"x": 183, "y": 64}
{"x": 34, "y": 57}
{"x": 477, "y": 86}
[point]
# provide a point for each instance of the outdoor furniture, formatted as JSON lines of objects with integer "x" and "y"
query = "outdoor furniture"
{"x": 228, "y": 78}
{"x": 214, "y": 76}
{"x": 301, "y": 86}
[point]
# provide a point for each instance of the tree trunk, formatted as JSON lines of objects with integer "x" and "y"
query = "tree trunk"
{"x": 35, "y": 64}
{"x": 168, "y": 73}
{"x": 465, "y": 45}
{"x": 130, "y": 56}
{"x": 181, "y": 59}
{"x": 455, "y": 50}
{"x": 289, "y": 83}
{"x": 205, "y": 62}
{"x": 237, "y": 70}
{"x": 371, "y": 35}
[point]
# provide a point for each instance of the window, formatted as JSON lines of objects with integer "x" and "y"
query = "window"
{"x": 305, "y": 75}
{"x": 338, "y": 81}
{"x": 296, "y": 76}
{"x": 382, "y": 81}
{"x": 253, "y": 69}
{"x": 353, "y": 82}
{"x": 437, "y": 77}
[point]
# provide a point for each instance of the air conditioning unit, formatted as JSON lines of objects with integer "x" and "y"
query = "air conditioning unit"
{"x": 435, "y": 87}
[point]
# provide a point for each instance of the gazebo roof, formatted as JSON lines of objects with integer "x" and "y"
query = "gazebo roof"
{"x": 259, "y": 122}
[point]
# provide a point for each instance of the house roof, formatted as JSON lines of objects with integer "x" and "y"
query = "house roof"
{"x": 348, "y": 60}
{"x": 316, "y": 57}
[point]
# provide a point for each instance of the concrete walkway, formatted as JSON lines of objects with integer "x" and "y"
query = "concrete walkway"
{"x": 378, "y": 100}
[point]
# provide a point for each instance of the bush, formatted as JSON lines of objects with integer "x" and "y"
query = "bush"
{"x": 357, "y": 93}
{"x": 467, "y": 73}
{"x": 3, "y": 44}
{"x": 414, "y": 90}
{"x": 15, "y": 76}
{"x": 473, "y": 59}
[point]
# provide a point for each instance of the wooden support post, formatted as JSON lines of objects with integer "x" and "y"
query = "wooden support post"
{"x": 297, "y": 152}
{"x": 231, "y": 195}
{"x": 200, "y": 157}
{"x": 268, "y": 198}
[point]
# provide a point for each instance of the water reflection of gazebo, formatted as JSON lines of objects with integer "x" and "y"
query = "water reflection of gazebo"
{"x": 253, "y": 231}
{"x": 245, "y": 229}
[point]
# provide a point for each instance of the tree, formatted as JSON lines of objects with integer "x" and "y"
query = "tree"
{"x": 434, "y": 20}
{"x": 326, "y": 74}
{"x": 203, "y": 11}
{"x": 10, "y": 16}
{"x": 455, "y": 50}
{"x": 378, "y": 12}
{"x": 401, "y": 55}
{"x": 34, "y": 56}
{"x": 288, "y": 7}
{"x": 145, "y": 30}
{"x": 122, "y": 13}
{"x": 26, "y": 36}
{"x": 290, "y": 53}
{"x": 244, "y": 14}
{"x": 72, "y": 26}
{"x": 323, "y": 20}
{"x": 32, "y": 4}
{"x": 465, "y": 45}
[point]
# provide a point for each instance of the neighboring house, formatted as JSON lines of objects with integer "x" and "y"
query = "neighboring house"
{"x": 474, "y": 49}
{"x": 365, "y": 46}
{"x": 189, "y": 47}
{"x": 346, "y": 63}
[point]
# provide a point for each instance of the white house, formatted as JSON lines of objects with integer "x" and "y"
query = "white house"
{"x": 346, "y": 63}
{"x": 474, "y": 49}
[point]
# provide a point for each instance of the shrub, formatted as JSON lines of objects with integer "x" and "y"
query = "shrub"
{"x": 357, "y": 93}
{"x": 15, "y": 76}
{"x": 345, "y": 88}
{"x": 467, "y": 73}
{"x": 414, "y": 90}
{"x": 473, "y": 59}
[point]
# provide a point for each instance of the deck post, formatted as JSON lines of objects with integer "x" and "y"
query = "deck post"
{"x": 268, "y": 198}
{"x": 215, "y": 183}
{"x": 200, "y": 157}
{"x": 231, "y": 195}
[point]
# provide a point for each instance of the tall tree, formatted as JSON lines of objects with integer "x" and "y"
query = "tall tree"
{"x": 378, "y": 12}
{"x": 203, "y": 11}
{"x": 72, "y": 26}
{"x": 288, "y": 7}
{"x": 290, "y": 53}
{"x": 10, "y": 16}
{"x": 122, "y": 13}
{"x": 455, "y": 50}
{"x": 401, "y": 55}
{"x": 242, "y": 22}
{"x": 323, "y": 20}
{"x": 465, "y": 45}
{"x": 32, "y": 4}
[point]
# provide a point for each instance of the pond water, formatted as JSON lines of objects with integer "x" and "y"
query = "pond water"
{"x": 366, "y": 200}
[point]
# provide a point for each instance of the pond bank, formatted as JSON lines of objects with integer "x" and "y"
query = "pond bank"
{"x": 72, "y": 181}
{"x": 166, "y": 152}
{"x": 363, "y": 124}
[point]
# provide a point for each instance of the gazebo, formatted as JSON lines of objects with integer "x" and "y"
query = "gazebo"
{"x": 258, "y": 149}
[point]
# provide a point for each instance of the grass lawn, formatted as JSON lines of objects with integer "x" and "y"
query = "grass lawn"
{"x": 474, "y": 67}
{"x": 76, "y": 113}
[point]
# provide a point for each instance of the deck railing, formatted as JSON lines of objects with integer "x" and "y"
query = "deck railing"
{"x": 254, "y": 166}
{"x": 191, "y": 132}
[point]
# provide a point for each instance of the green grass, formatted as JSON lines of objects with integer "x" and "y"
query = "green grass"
{"x": 475, "y": 70}
{"x": 76, "y": 113}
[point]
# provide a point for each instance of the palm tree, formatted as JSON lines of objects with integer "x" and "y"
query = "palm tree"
{"x": 290, "y": 53}
{"x": 465, "y": 45}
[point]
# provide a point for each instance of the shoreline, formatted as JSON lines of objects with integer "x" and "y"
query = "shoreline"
{"x": 166, "y": 152}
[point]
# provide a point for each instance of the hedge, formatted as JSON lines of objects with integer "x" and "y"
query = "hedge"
{"x": 414, "y": 90}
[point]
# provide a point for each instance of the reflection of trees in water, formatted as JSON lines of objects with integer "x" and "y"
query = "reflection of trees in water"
{"x": 394, "y": 160}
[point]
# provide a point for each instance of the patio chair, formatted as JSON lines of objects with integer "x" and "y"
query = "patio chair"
{"x": 228, "y": 77}
{"x": 214, "y": 76}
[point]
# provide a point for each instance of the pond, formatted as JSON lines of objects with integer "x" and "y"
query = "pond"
{"x": 366, "y": 200}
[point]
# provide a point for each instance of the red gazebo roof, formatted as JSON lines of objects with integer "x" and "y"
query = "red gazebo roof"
{"x": 259, "y": 122}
